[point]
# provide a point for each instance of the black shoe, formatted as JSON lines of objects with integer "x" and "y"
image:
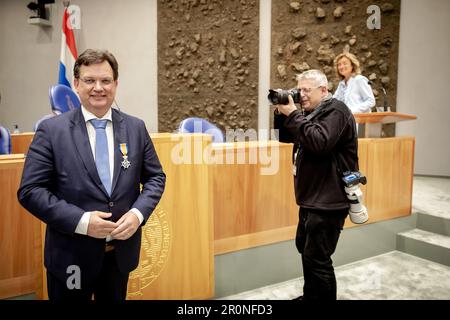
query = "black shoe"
{"x": 298, "y": 298}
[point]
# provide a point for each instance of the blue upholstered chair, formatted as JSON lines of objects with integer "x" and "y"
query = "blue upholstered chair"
{"x": 63, "y": 99}
{"x": 199, "y": 125}
{"x": 47, "y": 116}
{"x": 5, "y": 141}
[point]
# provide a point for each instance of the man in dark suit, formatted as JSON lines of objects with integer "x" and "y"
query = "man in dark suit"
{"x": 82, "y": 177}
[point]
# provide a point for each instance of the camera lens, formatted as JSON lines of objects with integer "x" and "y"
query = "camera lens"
{"x": 277, "y": 97}
{"x": 281, "y": 97}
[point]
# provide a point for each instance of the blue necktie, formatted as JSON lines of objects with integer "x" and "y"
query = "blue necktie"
{"x": 101, "y": 153}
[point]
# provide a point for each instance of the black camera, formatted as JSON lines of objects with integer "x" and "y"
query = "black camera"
{"x": 352, "y": 178}
{"x": 281, "y": 97}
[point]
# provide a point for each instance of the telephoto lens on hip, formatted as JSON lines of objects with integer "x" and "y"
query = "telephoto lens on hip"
{"x": 358, "y": 212}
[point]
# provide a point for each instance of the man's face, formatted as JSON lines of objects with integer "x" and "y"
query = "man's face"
{"x": 96, "y": 87}
{"x": 311, "y": 94}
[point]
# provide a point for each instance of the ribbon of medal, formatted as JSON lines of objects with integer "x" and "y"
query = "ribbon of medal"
{"x": 124, "y": 149}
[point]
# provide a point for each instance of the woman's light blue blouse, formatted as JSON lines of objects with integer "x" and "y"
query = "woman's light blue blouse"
{"x": 357, "y": 94}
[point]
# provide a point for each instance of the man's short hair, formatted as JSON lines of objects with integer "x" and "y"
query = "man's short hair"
{"x": 94, "y": 56}
{"x": 317, "y": 76}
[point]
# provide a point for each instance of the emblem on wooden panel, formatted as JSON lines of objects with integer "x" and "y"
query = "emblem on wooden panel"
{"x": 155, "y": 250}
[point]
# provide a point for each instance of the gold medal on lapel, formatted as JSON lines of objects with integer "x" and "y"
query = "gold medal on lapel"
{"x": 124, "y": 149}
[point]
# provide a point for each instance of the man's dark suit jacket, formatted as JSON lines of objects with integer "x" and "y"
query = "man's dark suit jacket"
{"x": 60, "y": 182}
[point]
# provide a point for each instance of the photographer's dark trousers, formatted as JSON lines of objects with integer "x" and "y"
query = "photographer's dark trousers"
{"x": 317, "y": 236}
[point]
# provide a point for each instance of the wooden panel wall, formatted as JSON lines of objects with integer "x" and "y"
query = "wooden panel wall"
{"x": 20, "y": 142}
{"x": 390, "y": 176}
{"x": 18, "y": 270}
{"x": 186, "y": 269}
{"x": 251, "y": 209}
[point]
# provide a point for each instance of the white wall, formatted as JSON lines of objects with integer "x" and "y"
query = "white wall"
{"x": 423, "y": 82}
{"x": 29, "y": 56}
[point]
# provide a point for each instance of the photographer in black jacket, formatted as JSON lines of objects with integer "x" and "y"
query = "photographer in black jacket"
{"x": 325, "y": 145}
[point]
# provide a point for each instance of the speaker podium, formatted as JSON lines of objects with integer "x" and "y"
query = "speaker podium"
{"x": 373, "y": 121}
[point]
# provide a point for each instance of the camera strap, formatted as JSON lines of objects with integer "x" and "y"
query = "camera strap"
{"x": 338, "y": 166}
{"x": 320, "y": 108}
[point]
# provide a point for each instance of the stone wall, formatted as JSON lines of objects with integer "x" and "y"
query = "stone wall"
{"x": 208, "y": 53}
{"x": 208, "y": 62}
{"x": 309, "y": 34}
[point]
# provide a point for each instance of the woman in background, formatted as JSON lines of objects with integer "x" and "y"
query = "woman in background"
{"x": 353, "y": 89}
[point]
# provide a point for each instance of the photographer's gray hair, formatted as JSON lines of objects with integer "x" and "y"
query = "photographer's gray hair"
{"x": 317, "y": 76}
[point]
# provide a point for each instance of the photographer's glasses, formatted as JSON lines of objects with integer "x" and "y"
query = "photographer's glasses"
{"x": 307, "y": 90}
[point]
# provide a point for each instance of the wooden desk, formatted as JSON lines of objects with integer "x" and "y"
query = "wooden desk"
{"x": 18, "y": 156}
{"x": 373, "y": 121}
{"x": 251, "y": 209}
{"x": 219, "y": 198}
{"x": 20, "y": 142}
{"x": 177, "y": 255}
{"x": 18, "y": 228}
{"x": 389, "y": 166}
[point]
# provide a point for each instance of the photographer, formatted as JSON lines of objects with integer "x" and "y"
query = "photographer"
{"x": 323, "y": 134}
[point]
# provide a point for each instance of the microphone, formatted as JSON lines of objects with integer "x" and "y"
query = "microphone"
{"x": 385, "y": 106}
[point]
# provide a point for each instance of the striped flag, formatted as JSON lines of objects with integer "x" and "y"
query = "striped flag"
{"x": 68, "y": 51}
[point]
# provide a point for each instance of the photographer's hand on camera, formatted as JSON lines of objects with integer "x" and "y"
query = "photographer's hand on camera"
{"x": 287, "y": 109}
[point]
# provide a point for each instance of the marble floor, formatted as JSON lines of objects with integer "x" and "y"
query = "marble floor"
{"x": 432, "y": 195}
{"x": 391, "y": 276}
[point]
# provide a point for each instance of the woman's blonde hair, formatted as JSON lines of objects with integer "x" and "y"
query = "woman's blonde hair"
{"x": 354, "y": 61}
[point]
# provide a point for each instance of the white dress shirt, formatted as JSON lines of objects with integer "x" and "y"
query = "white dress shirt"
{"x": 83, "y": 224}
